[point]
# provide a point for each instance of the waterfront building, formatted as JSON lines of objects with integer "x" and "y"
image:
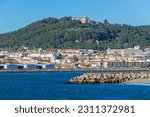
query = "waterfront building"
{"x": 10, "y": 66}
{"x": 30, "y": 66}
{"x": 48, "y": 66}
{"x": 39, "y": 66}
{"x": 1, "y": 67}
{"x": 20, "y": 66}
{"x": 128, "y": 64}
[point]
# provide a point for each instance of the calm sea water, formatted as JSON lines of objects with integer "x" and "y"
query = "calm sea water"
{"x": 54, "y": 86}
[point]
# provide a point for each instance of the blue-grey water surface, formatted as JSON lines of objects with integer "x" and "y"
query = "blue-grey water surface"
{"x": 54, "y": 86}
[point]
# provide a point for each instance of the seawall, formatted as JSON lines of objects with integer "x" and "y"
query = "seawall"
{"x": 78, "y": 70}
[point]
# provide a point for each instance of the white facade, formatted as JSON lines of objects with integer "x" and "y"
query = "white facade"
{"x": 105, "y": 65}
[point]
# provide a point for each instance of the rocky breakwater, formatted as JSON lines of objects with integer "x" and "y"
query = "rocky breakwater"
{"x": 104, "y": 78}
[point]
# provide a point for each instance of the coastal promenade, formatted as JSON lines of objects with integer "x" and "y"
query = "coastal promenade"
{"x": 79, "y": 70}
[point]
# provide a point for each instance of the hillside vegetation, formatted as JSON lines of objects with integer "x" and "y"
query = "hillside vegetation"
{"x": 145, "y": 28}
{"x": 67, "y": 33}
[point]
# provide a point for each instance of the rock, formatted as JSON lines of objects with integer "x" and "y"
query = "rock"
{"x": 108, "y": 78}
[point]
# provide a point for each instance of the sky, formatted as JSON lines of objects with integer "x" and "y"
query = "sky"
{"x": 15, "y": 14}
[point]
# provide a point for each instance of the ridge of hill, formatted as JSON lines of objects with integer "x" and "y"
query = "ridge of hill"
{"x": 145, "y": 28}
{"x": 50, "y": 33}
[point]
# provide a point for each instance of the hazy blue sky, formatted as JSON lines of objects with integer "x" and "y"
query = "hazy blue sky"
{"x": 15, "y": 14}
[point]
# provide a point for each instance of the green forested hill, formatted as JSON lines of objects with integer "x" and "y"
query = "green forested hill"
{"x": 68, "y": 33}
{"x": 145, "y": 28}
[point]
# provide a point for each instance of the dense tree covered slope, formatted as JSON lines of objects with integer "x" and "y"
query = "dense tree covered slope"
{"x": 68, "y": 33}
{"x": 145, "y": 28}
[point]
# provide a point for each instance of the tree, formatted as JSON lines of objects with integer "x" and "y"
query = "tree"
{"x": 105, "y": 21}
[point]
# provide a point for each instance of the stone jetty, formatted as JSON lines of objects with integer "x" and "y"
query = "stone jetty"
{"x": 105, "y": 78}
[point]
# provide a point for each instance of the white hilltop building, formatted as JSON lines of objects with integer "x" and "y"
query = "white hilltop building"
{"x": 84, "y": 19}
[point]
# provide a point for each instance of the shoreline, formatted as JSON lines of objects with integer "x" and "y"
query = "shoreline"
{"x": 79, "y": 70}
{"x": 138, "y": 81}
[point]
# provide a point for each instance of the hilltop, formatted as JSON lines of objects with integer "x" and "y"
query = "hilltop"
{"x": 65, "y": 32}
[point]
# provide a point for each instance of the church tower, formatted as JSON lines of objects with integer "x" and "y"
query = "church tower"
{"x": 85, "y": 19}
